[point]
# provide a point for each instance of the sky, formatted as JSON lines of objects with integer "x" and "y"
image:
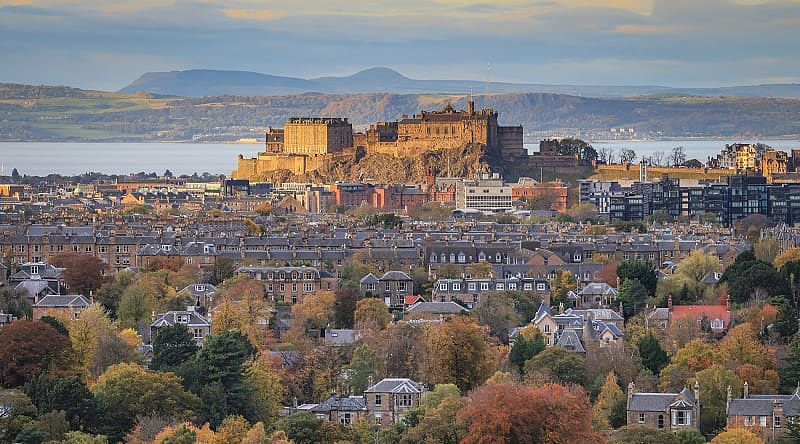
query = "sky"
{"x": 106, "y": 44}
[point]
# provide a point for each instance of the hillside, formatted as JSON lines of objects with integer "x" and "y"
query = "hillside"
{"x": 205, "y": 82}
{"x": 61, "y": 113}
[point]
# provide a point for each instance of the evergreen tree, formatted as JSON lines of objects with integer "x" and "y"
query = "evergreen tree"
{"x": 15, "y": 175}
{"x": 172, "y": 347}
{"x": 217, "y": 374}
{"x": 654, "y": 358}
{"x": 525, "y": 348}
{"x": 790, "y": 375}
{"x": 786, "y": 320}
{"x": 633, "y": 295}
{"x": 644, "y": 271}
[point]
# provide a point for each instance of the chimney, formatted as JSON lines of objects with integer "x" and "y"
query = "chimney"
{"x": 730, "y": 396}
{"x": 746, "y": 390}
{"x": 369, "y": 381}
{"x": 697, "y": 392}
{"x": 728, "y": 303}
{"x": 471, "y": 107}
{"x": 631, "y": 389}
{"x": 669, "y": 302}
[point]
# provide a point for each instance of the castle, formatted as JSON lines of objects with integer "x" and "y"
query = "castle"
{"x": 305, "y": 144}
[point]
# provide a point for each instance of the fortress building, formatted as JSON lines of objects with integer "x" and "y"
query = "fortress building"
{"x": 305, "y": 144}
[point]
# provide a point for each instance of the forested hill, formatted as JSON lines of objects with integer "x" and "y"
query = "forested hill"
{"x": 62, "y": 113}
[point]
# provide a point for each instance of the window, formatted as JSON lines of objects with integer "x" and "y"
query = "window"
{"x": 484, "y": 286}
{"x": 308, "y": 287}
{"x": 198, "y": 333}
{"x": 500, "y": 286}
{"x": 641, "y": 418}
{"x": 282, "y": 287}
{"x": 401, "y": 286}
{"x": 404, "y": 400}
{"x": 35, "y": 269}
{"x": 512, "y": 286}
{"x": 763, "y": 421}
{"x": 541, "y": 287}
{"x": 660, "y": 421}
{"x": 527, "y": 287}
{"x": 776, "y": 421}
{"x": 681, "y": 417}
{"x": 471, "y": 286}
{"x": 294, "y": 287}
{"x": 443, "y": 287}
{"x": 182, "y": 319}
{"x": 370, "y": 287}
{"x": 547, "y": 328}
{"x": 456, "y": 286}
{"x": 378, "y": 400}
{"x": 346, "y": 418}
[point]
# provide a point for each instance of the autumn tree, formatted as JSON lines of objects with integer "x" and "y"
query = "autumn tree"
{"x": 561, "y": 285}
{"x": 371, "y": 313}
{"x": 224, "y": 268}
{"x": 790, "y": 255}
{"x": 697, "y": 265}
{"x": 28, "y": 348}
{"x": 457, "y": 354}
{"x": 110, "y": 293}
{"x": 243, "y": 309}
{"x": 440, "y": 423}
{"x": 695, "y": 356}
{"x": 557, "y": 365}
{"x": 737, "y": 436}
{"x": 767, "y": 249}
{"x": 126, "y": 391}
{"x": 267, "y": 387}
{"x": 112, "y": 349}
{"x": 83, "y": 273}
{"x": 546, "y": 414}
{"x": 479, "y": 270}
{"x": 85, "y": 334}
{"x": 497, "y": 312}
{"x": 790, "y": 375}
{"x": 609, "y": 411}
{"x": 137, "y": 303}
{"x": 314, "y": 312}
{"x": 344, "y": 306}
{"x": 741, "y": 346}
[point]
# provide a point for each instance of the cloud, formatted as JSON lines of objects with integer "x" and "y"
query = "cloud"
{"x": 250, "y": 14}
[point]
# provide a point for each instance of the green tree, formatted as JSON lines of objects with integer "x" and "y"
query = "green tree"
{"x": 562, "y": 366}
{"x": 221, "y": 361}
{"x": 69, "y": 395}
{"x": 110, "y": 294}
{"x": 643, "y": 271}
{"x": 138, "y": 301}
{"x": 526, "y": 347}
{"x": 633, "y": 296}
{"x": 55, "y": 323}
{"x": 365, "y": 364}
{"x": 223, "y": 269}
{"x": 439, "y": 424}
{"x": 126, "y": 391}
{"x": 440, "y": 392}
{"x": 790, "y": 375}
{"x": 172, "y": 347}
{"x": 372, "y": 313}
{"x": 654, "y": 358}
{"x": 18, "y": 412}
{"x": 75, "y": 437}
{"x": 713, "y": 383}
{"x": 642, "y": 435}
{"x": 785, "y": 323}
{"x": 15, "y": 303}
{"x": 689, "y": 436}
{"x": 301, "y": 428}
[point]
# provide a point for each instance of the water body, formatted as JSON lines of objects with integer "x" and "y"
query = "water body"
{"x": 695, "y": 149}
{"x": 42, "y": 158}
{"x": 68, "y": 158}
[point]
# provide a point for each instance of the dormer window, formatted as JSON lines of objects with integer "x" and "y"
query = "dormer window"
{"x": 182, "y": 319}
{"x": 199, "y": 288}
{"x": 34, "y": 269}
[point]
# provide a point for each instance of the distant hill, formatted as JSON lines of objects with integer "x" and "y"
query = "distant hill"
{"x": 204, "y": 82}
{"x": 68, "y": 114}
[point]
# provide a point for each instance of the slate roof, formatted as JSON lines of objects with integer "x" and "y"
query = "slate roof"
{"x": 762, "y": 405}
{"x": 569, "y": 340}
{"x": 396, "y": 385}
{"x": 437, "y": 308}
{"x": 171, "y": 318}
{"x": 369, "y": 279}
{"x": 658, "y": 402}
{"x": 395, "y": 276}
{"x": 60, "y": 301}
{"x": 340, "y": 337}
{"x": 34, "y": 287}
{"x": 337, "y": 404}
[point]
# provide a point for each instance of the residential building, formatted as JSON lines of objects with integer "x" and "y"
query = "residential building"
{"x": 489, "y": 193}
{"x": 715, "y": 317}
{"x": 765, "y": 415}
{"x": 392, "y": 286}
{"x": 344, "y": 410}
{"x": 290, "y": 284}
{"x": 664, "y": 411}
{"x": 390, "y": 399}
{"x": 194, "y": 322}
{"x": 472, "y": 292}
{"x": 61, "y": 306}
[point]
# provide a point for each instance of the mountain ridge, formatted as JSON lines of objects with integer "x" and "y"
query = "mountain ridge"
{"x": 210, "y": 82}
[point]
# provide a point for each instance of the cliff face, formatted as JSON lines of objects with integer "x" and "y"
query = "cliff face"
{"x": 468, "y": 161}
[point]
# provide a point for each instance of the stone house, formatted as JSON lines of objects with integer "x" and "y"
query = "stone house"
{"x": 390, "y": 399}
{"x": 197, "y": 325}
{"x": 344, "y": 410}
{"x": 593, "y": 295}
{"x": 664, "y": 411}
{"x": 61, "y": 306}
{"x": 392, "y": 286}
{"x": 764, "y": 415}
{"x": 290, "y": 284}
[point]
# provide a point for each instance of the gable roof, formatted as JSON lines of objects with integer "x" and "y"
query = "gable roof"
{"x": 698, "y": 311}
{"x": 437, "y": 308}
{"x": 396, "y": 385}
{"x": 654, "y": 402}
{"x": 569, "y": 340}
{"x": 62, "y": 301}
